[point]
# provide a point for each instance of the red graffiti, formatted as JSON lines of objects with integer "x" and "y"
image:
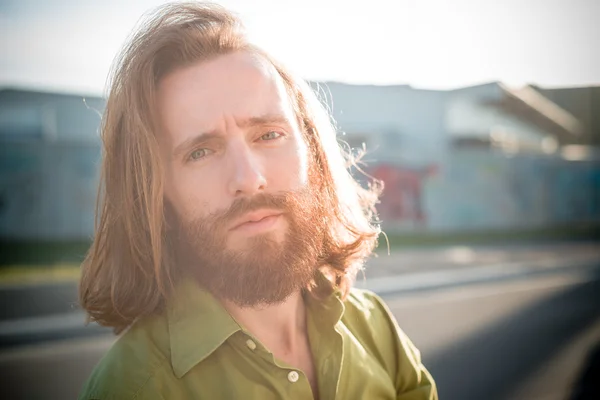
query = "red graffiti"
{"x": 402, "y": 200}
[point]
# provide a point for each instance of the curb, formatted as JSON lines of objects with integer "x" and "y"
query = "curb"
{"x": 440, "y": 279}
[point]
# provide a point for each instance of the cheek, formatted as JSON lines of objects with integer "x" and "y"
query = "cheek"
{"x": 193, "y": 196}
{"x": 290, "y": 168}
{"x": 303, "y": 163}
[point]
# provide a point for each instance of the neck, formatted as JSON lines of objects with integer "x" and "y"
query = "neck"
{"x": 280, "y": 326}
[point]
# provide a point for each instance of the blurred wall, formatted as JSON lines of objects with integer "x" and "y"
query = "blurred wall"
{"x": 48, "y": 190}
{"x": 477, "y": 189}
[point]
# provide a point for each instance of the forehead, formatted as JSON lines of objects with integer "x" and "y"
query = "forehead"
{"x": 237, "y": 85}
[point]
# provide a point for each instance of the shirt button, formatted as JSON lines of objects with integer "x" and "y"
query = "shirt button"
{"x": 293, "y": 376}
{"x": 250, "y": 343}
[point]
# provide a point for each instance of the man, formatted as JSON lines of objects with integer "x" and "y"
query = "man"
{"x": 230, "y": 232}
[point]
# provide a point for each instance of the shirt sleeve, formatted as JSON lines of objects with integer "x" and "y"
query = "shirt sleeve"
{"x": 411, "y": 378}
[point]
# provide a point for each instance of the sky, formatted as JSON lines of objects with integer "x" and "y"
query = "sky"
{"x": 69, "y": 45}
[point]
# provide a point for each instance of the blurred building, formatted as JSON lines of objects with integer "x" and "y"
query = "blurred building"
{"x": 584, "y": 104}
{"x": 481, "y": 157}
{"x": 49, "y": 154}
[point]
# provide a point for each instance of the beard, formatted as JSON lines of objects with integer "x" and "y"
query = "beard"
{"x": 266, "y": 271}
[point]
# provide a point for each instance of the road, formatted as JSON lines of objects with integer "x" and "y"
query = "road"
{"x": 520, "y": 338}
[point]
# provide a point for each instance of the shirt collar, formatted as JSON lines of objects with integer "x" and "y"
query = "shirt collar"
{"x": 327, "y": 311}
{"x": 199, "y": 324}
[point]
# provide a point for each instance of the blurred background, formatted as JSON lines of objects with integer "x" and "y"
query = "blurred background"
{"x": 482, "y": 118}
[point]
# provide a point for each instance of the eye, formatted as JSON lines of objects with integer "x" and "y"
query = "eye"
{"x": 199, "y": 154}
{"x": 270, "y": 135}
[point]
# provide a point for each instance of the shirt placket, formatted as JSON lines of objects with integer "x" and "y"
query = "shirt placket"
{"x": 327, "y": 347}
{"x": 290, "y": 381}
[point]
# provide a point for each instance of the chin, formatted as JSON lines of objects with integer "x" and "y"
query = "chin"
{"x": 265, "y": 242}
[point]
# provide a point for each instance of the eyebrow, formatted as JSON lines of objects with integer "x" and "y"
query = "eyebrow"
{"x": 268, "y": 119}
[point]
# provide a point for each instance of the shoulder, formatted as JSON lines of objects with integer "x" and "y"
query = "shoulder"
{"x": 369, "y": 311}
{"x": 364, "y": 305}
{"x": 132, "y": 365}
{"x": 368, "y": 317}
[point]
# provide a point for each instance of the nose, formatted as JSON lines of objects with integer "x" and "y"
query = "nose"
{"x": 247, "y": 177}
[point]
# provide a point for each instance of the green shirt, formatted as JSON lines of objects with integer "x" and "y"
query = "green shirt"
{"x": 196, "y": 350}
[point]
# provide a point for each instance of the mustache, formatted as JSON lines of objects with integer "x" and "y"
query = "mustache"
{"x": 279, "y": 201}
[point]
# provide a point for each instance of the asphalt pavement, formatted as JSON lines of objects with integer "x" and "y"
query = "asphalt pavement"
{"x": 510, "y": 340}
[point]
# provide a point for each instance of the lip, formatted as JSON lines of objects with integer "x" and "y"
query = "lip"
{"x": 256, "y": 218}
